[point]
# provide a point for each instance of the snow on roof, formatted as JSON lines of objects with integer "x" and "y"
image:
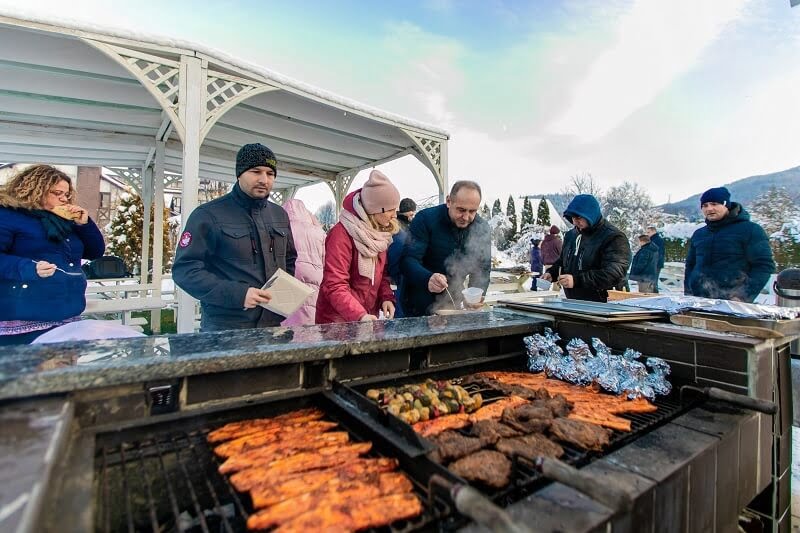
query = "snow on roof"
{"x": 159, "y": 40}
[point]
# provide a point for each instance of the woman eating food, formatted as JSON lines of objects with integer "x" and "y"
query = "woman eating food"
{"x": 355, "y": 280}
{"x": 43, "y": 237}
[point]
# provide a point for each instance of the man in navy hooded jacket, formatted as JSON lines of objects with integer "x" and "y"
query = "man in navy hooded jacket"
{"x": 728, "y": 258}
{"x": 595, "y": 256}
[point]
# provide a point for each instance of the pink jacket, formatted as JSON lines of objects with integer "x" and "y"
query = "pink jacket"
{"x": 345, "y": 295}
{"x": 309, "y": 240}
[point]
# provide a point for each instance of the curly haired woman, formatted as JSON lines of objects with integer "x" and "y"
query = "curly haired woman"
{"x": 43, "y": 237}
{"x": 355, "y": 280}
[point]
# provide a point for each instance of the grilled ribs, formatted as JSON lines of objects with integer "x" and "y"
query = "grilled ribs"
{"x": 530, "y": 446}
{"x": 582, "y": 434}
{"x": 271, "y": 452}
{"x": 269, "y": 436}
{"x": 486, "y": 466}
{"x": 432, "y": 427}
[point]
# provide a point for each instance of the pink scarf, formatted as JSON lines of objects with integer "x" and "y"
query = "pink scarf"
{"x": 369, "y": 242}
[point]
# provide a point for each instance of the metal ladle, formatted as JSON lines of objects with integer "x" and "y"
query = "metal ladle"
{"x": 451, "y": 298}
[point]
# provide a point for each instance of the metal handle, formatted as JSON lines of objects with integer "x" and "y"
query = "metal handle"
{"x": 739, "y": 400}
{"x": 601, "y": 490}
{"x": 471, "y": 503}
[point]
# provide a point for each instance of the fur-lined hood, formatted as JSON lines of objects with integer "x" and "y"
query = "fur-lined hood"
{"x": 15, "y": 203}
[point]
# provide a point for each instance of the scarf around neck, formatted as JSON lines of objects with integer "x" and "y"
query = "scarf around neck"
{"x": 369, "y": 242}
{"x": 55, "y": 227}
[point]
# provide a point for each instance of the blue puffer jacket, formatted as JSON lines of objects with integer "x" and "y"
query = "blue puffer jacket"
{"x": 23, "y": 294}
{"x": 729, "y": 259}
{"x": 645, "y": 264}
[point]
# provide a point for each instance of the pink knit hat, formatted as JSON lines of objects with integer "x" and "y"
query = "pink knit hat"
{"x": 378, "y": 194}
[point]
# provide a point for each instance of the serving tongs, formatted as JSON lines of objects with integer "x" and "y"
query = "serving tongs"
{"x": 738, "y": 400}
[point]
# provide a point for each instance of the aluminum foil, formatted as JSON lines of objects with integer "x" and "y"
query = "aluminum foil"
{"x": 674, "y": 304}
{"x": 619, "y": 374}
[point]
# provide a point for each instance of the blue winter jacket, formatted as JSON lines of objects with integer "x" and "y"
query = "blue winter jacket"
{"x": 394, "y": 257}
{"x": 729, "y": 259}
{"x": 23, "y": 294}
{"x": 658, "y": 240}
{"x": 435, "y": 245}
{"x": 645, "y": 264}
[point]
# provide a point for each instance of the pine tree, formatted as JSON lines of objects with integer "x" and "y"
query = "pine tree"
{"x": 543, "y": 214}
{"x": 496, "y": 209}
{"x": 125, "y": 233}
{"x": 527, "y": 214}
{"x": 485, "y": 213}
{"x": 511, "y": 213}
{"x": 772, "y": 208}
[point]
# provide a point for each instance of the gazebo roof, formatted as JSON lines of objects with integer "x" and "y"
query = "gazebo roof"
{"x": 75, "y": 94}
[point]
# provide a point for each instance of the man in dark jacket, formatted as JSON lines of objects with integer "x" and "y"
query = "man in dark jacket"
{"x": 405, "y": 214}
{"x": 644, "y": 267}
{"x": 446, "y": 244}
{"x": 729, "y": 258}
{"x": 658, "y": 240}
{"x": 595, "y": 256}
{"x": 232, "y": 245}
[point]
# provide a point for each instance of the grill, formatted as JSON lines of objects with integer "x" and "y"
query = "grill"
{"x": 165, "y": 478}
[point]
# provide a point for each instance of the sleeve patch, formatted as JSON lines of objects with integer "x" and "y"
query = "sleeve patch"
{"x": 186, "y": 239}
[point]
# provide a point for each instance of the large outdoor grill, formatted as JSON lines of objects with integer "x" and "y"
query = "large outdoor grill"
{"x": 121, "y": 445}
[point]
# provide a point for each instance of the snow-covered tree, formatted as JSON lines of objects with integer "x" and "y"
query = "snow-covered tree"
{"x": 326, "y": 214}
{"x": 543, "y": 214}
{"x": 511, "y": 213}
{"x": 773, "y": 208}
{"x": 527, "y": 214}
{"x": 583, "y": 183}
{"x": 485, "y": 213}
{"x": 125, "y": 233}
{"x": 629, "y": 207}
{"x": 496, "y": 209}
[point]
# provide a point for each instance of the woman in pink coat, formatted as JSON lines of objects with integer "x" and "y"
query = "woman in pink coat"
{"x": 309, "y": 240}
{"x": 355, "y": 283}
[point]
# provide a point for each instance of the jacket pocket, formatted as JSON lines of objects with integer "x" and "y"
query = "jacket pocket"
{"x": 236, "y": 242}
{"x": 279, "y": 241}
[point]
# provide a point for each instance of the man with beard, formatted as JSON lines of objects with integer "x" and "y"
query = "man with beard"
{"x": 595, "y": 256}
{"x": 730, "y": 257}
{"x": 446, "y": 244}
{"x": 232, "y": 245}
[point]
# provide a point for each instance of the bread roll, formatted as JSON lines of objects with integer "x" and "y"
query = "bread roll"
{"x": 64, "y": 212}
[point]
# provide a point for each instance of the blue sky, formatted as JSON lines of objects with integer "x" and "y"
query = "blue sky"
{"x": 676, "y": 95}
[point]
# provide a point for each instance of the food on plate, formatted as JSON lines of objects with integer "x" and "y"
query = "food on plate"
{"x": 582, "y": 434}
{"x": 488, "y": 467}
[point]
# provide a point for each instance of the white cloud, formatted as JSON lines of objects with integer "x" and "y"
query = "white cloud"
{"x": 656, "y": 42}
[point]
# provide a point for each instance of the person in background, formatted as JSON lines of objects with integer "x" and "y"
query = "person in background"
{"x": 536, "y": 262}
{"x": 658, "y": 240}
{"x": 43, "y": 237}
{"x": 355, "y": 281}
{"x": 309, "y": 241}
{"x": 551, "y": 247}
{"x": 232, "y": 245}
{"x": 644, "y": 267}
{"x": 730, "y": 257}
{"x": 595, "y": 256}
{"x": 405, "y": 215}
{"x": 446, "y": 244}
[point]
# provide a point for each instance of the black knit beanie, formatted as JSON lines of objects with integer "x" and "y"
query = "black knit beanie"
{"x": 255, "y": 155}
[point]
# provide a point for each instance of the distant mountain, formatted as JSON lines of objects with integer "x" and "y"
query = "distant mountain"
{"x": 743, "y": 191}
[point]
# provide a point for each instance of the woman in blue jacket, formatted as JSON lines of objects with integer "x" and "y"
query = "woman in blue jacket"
{"x": 43, "y": 237}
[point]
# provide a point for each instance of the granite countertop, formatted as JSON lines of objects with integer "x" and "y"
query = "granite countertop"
{"x": 53, "y": 368}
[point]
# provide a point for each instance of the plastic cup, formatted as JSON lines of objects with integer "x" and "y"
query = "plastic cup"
{"x": 472, "y": 295}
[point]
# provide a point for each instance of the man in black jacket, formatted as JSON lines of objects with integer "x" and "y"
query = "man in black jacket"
{"x": 658, "y": 240}
{"x": 644, "y": 267}
{"x": 595, "y": 256}
{"x": 232, "y": 245}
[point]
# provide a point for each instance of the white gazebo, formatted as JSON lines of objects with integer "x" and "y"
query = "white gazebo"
{"x": 76, "y": 94}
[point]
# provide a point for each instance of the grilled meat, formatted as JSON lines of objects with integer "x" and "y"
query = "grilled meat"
{"x": 582, "y": 434}
{"x": 530, "y": 446}
{"x": 588, "y": 404}
{"x": 495, "y": 409}
{"x": 355, "y": 515}
{"x": 331, "y": 494}
{"x": 507, "y": 389}
{"x": 490, "y": 431}
{"x": 486, "y": 466}
{"x": 246, "y": 427}
{"x": 300, "y": 462}
{"x": 528, "y": 418}
{"x": 435, "y": 426}
{"x": 453, "y": 445}
{"x": 272, "y": 435}
{"x": 272, "y": 452}
{"x": 558, "y": 404}
{"x": 264, "y": 495}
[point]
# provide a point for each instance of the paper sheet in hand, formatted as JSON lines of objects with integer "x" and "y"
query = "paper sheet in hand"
{"x": 288, "y": 293}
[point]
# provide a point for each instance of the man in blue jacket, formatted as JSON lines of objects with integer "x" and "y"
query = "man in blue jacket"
{"x": 644, "y": 268}
{"x": 595, "y": 256}
{"x": 446, "y": 244}
{"x": 658, "y": 240}
{"x": 405, "y": 214}
{"x": 728, "y": 258}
